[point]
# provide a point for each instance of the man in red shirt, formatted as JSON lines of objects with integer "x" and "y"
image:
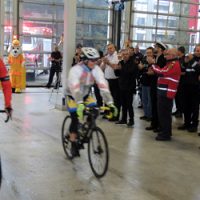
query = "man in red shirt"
{"x": 168, "y": 79}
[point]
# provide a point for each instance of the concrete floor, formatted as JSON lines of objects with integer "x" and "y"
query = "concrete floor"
{"x": 140, "y": 168}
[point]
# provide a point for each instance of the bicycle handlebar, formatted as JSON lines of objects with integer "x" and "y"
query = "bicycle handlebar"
{"x": 102, "y": 108}
{"x": 95, "y": 111}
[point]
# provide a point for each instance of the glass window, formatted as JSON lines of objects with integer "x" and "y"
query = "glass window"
{"x": 166, "y": 21}
{"x": 142, "y": 19}
{"x": 46, "y": 1}
{"x": 33, "y": 47}
{"x": 189, "y": 23}
{"x": 170, "y": 23}
{"x": 140, "y": 36}
{"x": 168, "y": 7}
{"x": 190, "y": 10}
{"x": 93, "y": 3}
{"x": 87, "y": 15}
{"x": 38, "y": 28}
{"x": 166, "y": 36}
{"x": 39, "y": 11}
{"x": 144, "y": 5}
{"x": 92, "y": 31}
{"x": 98, "y": 44}
{"x": 42, "y": 27}
{"x": 147, "y": 34}
{"x": 8, "y": 29}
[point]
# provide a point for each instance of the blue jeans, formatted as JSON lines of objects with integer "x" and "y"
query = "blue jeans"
{"x": 146, "y": 101}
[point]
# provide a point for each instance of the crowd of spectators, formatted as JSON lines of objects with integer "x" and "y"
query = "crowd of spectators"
{"x": 163, "y": 77}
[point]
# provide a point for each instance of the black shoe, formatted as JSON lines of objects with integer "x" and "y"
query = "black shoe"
{"x": 162, "y": 138}
{"x": 192, "y": 129}
{"x": 130, "y": 123}
{"x": 183, "y": 127}
{"x": 121, "y": 122}
{"x": 144, "y": 118}
{"x": 13, "y": 90}
{"x": 149, "y": 128}
{"x": 74, "y": 150}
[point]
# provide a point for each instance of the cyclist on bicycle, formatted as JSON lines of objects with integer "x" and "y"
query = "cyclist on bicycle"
{"x": 6, "y": 85}
{"x": 81, "y": 77}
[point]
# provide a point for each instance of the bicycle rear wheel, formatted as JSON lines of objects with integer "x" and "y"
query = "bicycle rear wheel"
{"x": 66, "y": 137}
{"x": 98, "y": 153}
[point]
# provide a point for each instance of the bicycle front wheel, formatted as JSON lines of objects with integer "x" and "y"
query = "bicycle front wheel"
{"x": 66, "y": 137}
{"x": 98, "y": 153}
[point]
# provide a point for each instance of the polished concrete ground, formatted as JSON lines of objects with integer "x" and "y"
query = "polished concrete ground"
{"x": 140, "y": 168}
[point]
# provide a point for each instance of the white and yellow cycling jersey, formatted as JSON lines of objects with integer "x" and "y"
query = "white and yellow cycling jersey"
{"x": 80, "y": 80}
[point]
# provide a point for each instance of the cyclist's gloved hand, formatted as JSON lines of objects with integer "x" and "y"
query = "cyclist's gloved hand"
{"x": 113, "y": 109}
{"x": 9, "y": 112}
{"x": 79, "y": 111}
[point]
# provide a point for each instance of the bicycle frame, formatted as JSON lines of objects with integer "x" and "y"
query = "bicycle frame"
{"x": 88, "y": 133}
{"x": 89, "y": 124}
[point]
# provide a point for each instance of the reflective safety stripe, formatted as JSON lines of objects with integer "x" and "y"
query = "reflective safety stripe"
{"x": 194, "y": 64}
{"x": 189, "y": 70}
{"x": 160, "y": 70}
{"x": 166, "y": 89}
{"x": 6, "y": 78}
{"x": 171, "y": 79}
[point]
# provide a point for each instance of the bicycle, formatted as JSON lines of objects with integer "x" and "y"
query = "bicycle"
{"x": 89, "y": 133}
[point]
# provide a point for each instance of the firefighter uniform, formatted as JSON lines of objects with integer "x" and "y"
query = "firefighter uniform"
{"x": 168, "y": 79}
{"x": 191, "y": 94}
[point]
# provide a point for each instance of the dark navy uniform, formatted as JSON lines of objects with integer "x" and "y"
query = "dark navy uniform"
{"x": 191, "y": 94}
{"x": 161, "y": 62}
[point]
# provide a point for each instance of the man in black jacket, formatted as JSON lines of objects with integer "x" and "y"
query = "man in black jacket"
{"x": 127, "y": 73}
{"x": 56, "y": 61}
{"x": 191, "y": 91}
{"x": 161, "y": 62}
{"x": 145, "y": 80}
{"x": 179, "y": 94}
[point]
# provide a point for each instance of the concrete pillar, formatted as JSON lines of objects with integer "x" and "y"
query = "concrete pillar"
{"x": 69, "y": 38}
{"x": 2, "y": 28}
{"x": 16, "y": 20}
{"x": 126, "y": 23}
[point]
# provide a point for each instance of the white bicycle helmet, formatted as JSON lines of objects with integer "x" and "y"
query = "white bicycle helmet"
{"x": 89, "y": 53}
